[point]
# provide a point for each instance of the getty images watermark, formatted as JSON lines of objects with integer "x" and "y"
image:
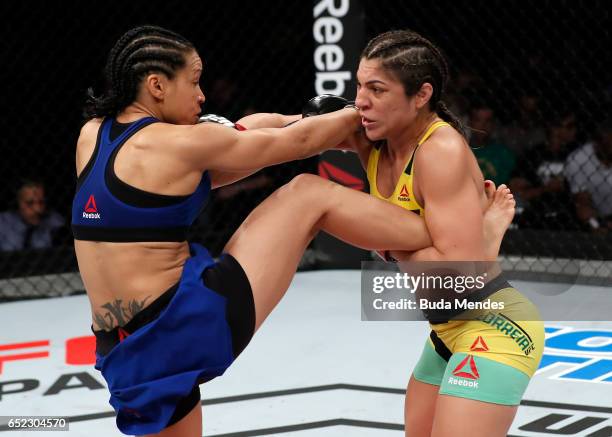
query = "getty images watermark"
{"x": 436, "y": 291}
{"x": 441, "y": 291}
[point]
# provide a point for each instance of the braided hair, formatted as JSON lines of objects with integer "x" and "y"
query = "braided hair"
{"x": 415, "y": 60}
{"x": 138, "y": 52}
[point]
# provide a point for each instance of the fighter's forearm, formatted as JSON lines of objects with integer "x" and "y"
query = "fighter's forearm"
{"x": 267, "y": 120}
{"x": 252, "y": 121}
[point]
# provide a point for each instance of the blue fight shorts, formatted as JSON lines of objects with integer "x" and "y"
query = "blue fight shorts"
{"x": 189, "y": 335}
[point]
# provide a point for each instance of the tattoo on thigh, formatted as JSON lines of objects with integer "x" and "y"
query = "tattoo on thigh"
{"x": 117, "y": 313}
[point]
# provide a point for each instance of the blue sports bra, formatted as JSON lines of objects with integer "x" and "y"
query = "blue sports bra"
{"x": 105, "y": 208}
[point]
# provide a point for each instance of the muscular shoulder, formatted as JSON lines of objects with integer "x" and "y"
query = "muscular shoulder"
{"x": 189, "y": 144}
{"x": 87, "y": 142}
{"x": 89, "y": 131}
{"x": 445, "y": 149}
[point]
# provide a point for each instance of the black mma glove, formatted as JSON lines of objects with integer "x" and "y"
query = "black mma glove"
{"x": 324, "y": 104}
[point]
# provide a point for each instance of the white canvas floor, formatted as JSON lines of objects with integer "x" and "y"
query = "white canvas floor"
{"x": 314, "y": 369}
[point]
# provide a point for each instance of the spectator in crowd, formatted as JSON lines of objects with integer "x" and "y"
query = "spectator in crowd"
{"x": 495, "y": 159}
{"x": 526, "y": 130}
{"x": 588, "y": 171}
{"x": 538, "y": 181}
{"x": 31, "y": 226}
{"x": 461, "y": 91}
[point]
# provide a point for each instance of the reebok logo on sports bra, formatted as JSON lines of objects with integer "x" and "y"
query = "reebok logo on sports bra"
{"x": 404, "y": 196}
{"x": 91, "y": 209}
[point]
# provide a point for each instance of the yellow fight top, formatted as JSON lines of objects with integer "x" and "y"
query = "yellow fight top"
{"x": 403, "y": 194}
{"x": 519, "y": 342}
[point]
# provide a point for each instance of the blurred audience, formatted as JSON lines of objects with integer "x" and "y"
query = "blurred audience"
{"x": 538, "y": 181}
{"x": 462, "y": 90}
{"x": 31, "y": 225}
{"x": 588, "y": 171}
{"x": 495, "y": 159}
{"x": 527, "y": 128}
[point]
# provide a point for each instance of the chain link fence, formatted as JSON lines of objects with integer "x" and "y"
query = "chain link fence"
{"x": 530, "y": 78}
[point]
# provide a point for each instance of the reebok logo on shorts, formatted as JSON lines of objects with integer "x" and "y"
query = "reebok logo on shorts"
{"x": 467, "y": 368}
{"x": 479, "y": 345}
{"x": 91, "y": 209}
{"x": 462, "y": 382}
{"x": 466, "y": 373}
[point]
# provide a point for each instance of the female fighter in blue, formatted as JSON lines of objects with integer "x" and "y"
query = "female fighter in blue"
{"x": 166, "y": 316}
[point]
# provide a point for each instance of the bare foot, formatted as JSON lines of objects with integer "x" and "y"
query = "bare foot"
{"x": 497, "y": 218}
{"x": 489, "y": 187}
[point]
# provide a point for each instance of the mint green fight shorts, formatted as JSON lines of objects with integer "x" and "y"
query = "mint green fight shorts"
{"x": 471, "y": 376}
